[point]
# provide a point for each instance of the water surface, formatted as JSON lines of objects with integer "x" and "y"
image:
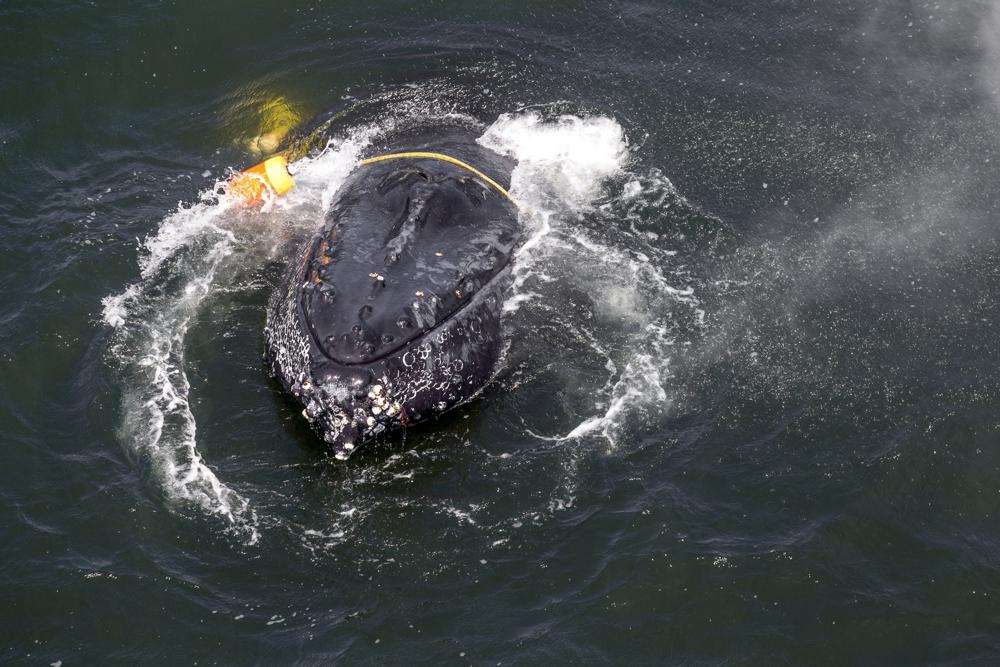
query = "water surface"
{"x": 748, "y": 409}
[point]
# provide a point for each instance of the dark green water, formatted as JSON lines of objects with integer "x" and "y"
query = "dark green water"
{"x": 748, "y": 414}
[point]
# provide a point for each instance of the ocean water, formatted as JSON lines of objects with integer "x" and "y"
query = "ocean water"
{"x": 748, "y": 408}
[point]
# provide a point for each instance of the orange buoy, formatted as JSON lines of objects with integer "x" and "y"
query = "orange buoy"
{"x": 255, "y": 185}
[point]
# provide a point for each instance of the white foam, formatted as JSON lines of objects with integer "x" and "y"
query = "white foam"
{"x": 561, "y": 165}
{"x": 179, "y": 265}
{"x": 116, "y": 306}
{"x": 564, "y": 165}
{"x": 566, "y": 158}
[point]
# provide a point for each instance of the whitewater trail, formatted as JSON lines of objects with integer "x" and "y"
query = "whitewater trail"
{"x": 179, "y": 265}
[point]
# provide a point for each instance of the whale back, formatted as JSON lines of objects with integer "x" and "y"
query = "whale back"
{"x": 406, "y": 245}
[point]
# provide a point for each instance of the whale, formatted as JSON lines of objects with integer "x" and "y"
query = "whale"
{"x": 391, "y": 314}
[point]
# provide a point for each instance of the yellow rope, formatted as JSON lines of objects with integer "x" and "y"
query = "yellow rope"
{"x": 437, "y": 156}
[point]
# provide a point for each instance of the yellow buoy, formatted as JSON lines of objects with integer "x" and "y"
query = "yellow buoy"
{"x": 254, "y": 186}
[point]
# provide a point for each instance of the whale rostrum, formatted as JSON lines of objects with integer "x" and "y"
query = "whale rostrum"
{"x": 391, "y": 315}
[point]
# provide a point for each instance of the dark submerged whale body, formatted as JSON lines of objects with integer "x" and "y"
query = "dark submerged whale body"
{"x": 392, "y": 314}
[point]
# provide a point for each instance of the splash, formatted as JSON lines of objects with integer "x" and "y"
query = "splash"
{"x": 577, "y": 194}
{"x": 591, "y": 269}
{"x": 180, "y": 267}
{"x": 561, "y": 164}
{"x": 562, "y": 161}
